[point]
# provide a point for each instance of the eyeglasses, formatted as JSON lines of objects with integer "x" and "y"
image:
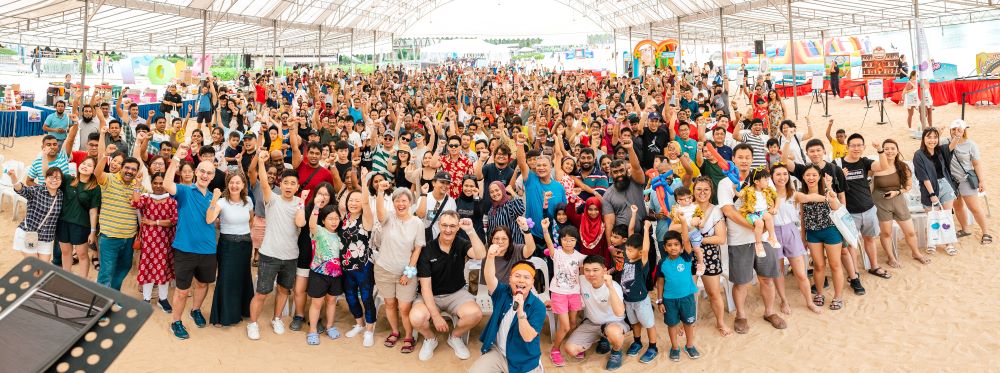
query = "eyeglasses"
{"x": 454, "y": 145}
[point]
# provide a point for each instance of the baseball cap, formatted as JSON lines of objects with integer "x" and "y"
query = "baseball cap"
{"x": 654, "y": 116}
{"x": 958, "y": 123}
{"x": 602, "y": 107}
{"x": 442, "y": 176}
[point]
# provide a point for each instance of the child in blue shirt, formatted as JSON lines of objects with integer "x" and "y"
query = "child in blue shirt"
{"x": 638, "y": 310}
{"x": 677, "y": 288}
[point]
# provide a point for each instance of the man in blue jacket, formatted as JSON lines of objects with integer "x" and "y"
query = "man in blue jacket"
{"x": 511, "y": 340}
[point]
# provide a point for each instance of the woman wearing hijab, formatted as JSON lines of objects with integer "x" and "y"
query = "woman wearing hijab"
{"x": 591, "y": 224}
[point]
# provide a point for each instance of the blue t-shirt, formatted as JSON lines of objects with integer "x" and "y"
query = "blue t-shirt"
{"x": 194, "y": 235}
{"x": 688, "y": 146}
{"x": 534, "y": 195}
{"x": 677, "y": 279}
{"x": 58, "y": 121}
{"x": 355, "y": 114}
{"x": 204, "y": 103}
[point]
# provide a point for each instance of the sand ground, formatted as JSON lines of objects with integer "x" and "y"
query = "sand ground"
{"x": 937, "y": 317}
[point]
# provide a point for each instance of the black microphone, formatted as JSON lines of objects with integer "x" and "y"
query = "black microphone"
{"x": 516, "y": 305}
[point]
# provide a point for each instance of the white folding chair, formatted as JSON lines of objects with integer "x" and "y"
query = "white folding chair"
{"x": 545, "y": 296}
{"x": 7, "y": 186}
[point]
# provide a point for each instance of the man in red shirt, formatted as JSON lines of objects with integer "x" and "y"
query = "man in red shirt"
{"x": 456, "y": 164}
{"x": 93, "y": 141}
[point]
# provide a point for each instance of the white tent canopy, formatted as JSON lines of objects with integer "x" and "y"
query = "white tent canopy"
{"x": 465, "y": 48}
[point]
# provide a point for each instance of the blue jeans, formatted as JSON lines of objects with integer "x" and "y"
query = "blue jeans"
{"x": 116, "y": 260}
{"x": 361, "y": 282}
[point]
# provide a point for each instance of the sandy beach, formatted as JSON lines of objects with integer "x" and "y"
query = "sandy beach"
{"x": 937, "y": 317}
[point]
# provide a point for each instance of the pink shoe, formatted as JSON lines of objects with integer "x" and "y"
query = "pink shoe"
{"x": 581, "y": 355}
{"x": 557, "y": 358}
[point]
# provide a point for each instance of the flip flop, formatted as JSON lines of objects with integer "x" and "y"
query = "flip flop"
{"x": 962, "y": 233}
{"x": 880, "y": 273}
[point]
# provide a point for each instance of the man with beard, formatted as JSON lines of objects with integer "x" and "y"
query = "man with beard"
{"x": 655, "y": 137}
{"x": 743, "y": 262}
{"x": 594, "y": 180}
{"x": 89, "y": 123}
{"x": 57, "y": 125}
{"x": 538, "y": 182}
{"x": 195, "y": 243}
{"x": 629, "y": 181}
{"x": 720, "y": 100}
{"x": 498, "y": 170}
{"x": 311, "y": 172}
{"x": 117, "y": 219}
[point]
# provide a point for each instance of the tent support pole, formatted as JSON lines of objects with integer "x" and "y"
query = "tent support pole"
{"x": 791, "y": 51}
{"x": 83, "y": 56}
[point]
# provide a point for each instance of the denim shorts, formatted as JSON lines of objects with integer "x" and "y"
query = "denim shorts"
{"x": 271, "y": 269}
{"x": 827, "y": 236}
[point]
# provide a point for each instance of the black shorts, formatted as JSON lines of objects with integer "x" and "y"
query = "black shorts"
{"x": 321, "y": 285}
{"x": 188, "y": 266}
{"x": 305, "y": 250}
{"x": 73, "y": 234}
{"x": 205, "y": 117}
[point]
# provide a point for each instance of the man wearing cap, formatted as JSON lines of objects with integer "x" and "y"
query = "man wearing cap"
{"x": 654, "y": 136}
{"x": 510, "y": 339}
{"x": 432, "y": 205}
{"x": 456, "y": 164}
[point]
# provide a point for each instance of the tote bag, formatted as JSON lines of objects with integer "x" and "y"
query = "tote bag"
{"x": 845, "y": 225}
{"x": 940, "y": 227}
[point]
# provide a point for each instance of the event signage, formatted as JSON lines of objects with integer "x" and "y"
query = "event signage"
{"x": 875, "y": 90}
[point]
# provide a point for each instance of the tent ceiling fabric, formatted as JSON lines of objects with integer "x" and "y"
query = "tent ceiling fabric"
{"x": 235, "y": 26}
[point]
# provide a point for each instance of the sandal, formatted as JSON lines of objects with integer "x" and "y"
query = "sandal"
{"x": 96, "y": 262}
{"x": 407, "y": 345}
{"x": 836, "y": 304}
{"x": 931, "y": 250}
{"x": 390, "y": 341}
{"x": 880, "y": 273}
{"x": 951, "y": 250}
{"x": 819, "y": 300}
{"x": 312, "y": 339}
{"x": 962, "y": 233}
{"x": 986, "y": 240}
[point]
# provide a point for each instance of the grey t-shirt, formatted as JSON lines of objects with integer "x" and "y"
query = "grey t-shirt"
{"x": 258, "y": 197}
{"x": 86, "y": 128}
{"x": 281, "y": 236}
{"x": 962, "y": 156}
{"x": 619, "y": 203}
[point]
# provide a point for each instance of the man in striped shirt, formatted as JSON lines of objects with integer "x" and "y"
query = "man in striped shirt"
{"x": 117, "y": 220}
{"x": 757, "y": 139}
{"x": 53, "y": 157}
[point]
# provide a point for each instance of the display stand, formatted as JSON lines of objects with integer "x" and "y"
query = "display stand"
{"x": 99, "y": 347}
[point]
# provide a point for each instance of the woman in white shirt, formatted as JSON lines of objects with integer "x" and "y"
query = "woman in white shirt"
{"x": 786, "y": 227}
{"x": 791, "y": 143}
{"x": 234, "y": 287}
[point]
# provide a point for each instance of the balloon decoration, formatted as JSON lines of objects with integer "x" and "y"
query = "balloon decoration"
{"x": 660, "y": 185}
{"x": 728, "y": 168}
{"x": 160, "y": 71}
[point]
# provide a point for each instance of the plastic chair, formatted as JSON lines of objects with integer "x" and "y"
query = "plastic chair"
{"x": 545, "y": 296}
{"x": 482, "y": 293}
{"x": 7, "y": 186}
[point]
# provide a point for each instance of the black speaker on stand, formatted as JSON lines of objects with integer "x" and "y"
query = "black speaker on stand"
{"x": 247, "y": 62}
{"x": 758, "y": 46}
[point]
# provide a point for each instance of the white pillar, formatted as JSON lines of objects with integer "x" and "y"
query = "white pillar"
{"x": 319, "y": 46}
{"x": 274, "y": 44}
{"x": 83, "y": 56}
{"x": 204, "y": 39}
{"x": 920, "y": 77}
{"x": 791, "y": 51}
{"x": 722, "y": 41}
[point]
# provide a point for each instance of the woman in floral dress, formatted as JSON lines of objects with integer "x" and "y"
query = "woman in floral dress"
{"x": 156, "y": 261}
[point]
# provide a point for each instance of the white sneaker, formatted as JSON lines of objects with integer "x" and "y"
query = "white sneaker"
{"x": 427, "y": 349}
{"x": 369, "y": 339}
{"x": 253, "y": 331}
{"x": 278, "y": 325}
{"x": 357, "y": 329}
{"x": 461, "y": 350}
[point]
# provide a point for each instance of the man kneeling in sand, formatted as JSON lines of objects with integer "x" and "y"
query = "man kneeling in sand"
{"x": 441, "y": 270}
{"x": 603, "y": 311}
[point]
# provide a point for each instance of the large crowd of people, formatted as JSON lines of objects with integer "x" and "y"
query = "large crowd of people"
{"x": 432, "y": 192}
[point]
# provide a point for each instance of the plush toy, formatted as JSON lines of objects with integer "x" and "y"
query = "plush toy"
{"x": 728, "y": 168}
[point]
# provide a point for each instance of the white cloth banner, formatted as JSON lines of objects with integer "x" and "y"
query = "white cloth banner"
{"x": 924, "y": 66}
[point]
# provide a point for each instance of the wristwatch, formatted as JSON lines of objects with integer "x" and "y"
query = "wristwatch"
{"x": 658, "y": 302}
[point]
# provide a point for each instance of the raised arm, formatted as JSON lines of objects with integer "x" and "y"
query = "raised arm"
{"x": 213, "y": 208}
{"x": 265, "y": 187}
{"x": 168, "y": 180}
{"x": 633, "y": 160}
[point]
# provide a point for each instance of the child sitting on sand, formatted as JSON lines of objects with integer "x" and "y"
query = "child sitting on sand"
{"x": 759, "y": 208}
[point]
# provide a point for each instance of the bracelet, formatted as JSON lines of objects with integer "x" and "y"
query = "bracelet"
{"x": 409, "y": 271}
{"x": 92, "y": 230}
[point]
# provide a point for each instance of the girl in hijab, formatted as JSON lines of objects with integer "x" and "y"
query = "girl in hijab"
{"x": 591, "y": 224}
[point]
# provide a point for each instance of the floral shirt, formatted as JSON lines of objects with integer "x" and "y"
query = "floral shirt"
{"x": 457, "y": 169}
{"x": 326, "y": 252}
{"x": 356, "y": 239}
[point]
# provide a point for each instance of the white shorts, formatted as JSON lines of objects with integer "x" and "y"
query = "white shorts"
{"x": 641, "y": 313}
{"x": 42, "y": 248}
